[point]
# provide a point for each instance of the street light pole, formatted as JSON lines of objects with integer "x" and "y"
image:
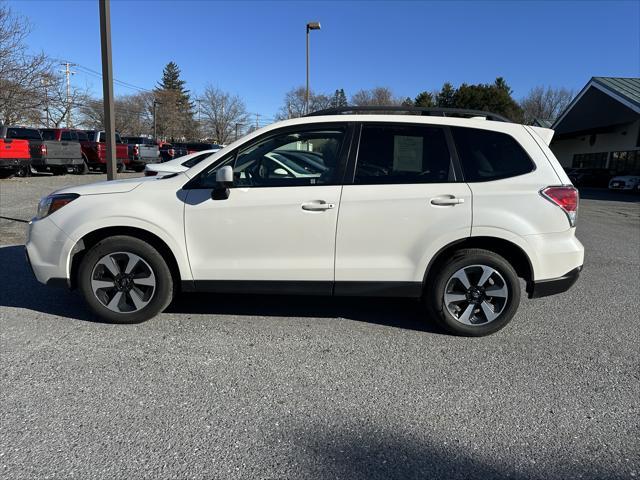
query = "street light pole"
{"x": 155, "y": 136}
{"x": 310, "y": 26}
{"x": 107, "y": 87}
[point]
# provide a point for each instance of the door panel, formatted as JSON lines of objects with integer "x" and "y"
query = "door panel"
{"x": 403, "y": 207}
{"x": 390, "y": 232}
{"x": 263, "y": 233}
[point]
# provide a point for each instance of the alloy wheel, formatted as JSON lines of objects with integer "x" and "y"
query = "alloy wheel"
{"x": 476, "y": 295}
{"x": 123, "y": 282}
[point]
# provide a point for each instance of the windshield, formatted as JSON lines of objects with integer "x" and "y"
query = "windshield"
{"x": 196, "y": 160}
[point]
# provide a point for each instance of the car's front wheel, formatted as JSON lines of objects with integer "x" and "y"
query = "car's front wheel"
{"x": 476, "y": 293}
{"x": 125, "y": 280}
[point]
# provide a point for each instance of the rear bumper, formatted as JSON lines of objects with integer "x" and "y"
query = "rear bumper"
{"x": 44, "y": 162}
{"x": 13, "y": 163}
{"x": 552, "y": 286}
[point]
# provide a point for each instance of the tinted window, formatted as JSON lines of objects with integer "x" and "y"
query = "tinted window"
{"x": 82, "y": 136}
{"x": 403, "y": 154}
{"x": 292, "y": 159}
{"x": 486, "y": 155}
{"x": 48, "y": 134}
{"x": 68, "y": 136}
{"x": 24, "y": 133}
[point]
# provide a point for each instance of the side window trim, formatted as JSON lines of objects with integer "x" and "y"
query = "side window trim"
{"x": 345, "y": 149}
{"x": 355, "y": 150}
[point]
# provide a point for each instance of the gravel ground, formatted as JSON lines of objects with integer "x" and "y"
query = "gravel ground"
{"x": 296, "y": 387}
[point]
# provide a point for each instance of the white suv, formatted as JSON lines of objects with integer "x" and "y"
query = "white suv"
{"x": 449, "y": 209}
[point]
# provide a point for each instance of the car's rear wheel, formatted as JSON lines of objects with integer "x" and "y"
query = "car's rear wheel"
{"x": 476, "y": 293}
{"x": 125, "y": 280}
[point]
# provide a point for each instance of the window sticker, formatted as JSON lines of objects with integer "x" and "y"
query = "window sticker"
{"x": 407, "y": 153}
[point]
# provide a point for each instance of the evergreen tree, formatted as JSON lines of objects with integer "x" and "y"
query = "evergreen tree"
{"x": 446, "y": 97}
{"x": 339, "y": 99}
{"x": 407, "y": 102}
{"x": 424, "y": 99}
{"x": 175, "y": 112}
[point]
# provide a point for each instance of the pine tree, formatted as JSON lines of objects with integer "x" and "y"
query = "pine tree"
{"x": 171, "y": 79}
{"x": 175, "y": 113}
{"x": 424, "y": 99}
{"x": 339, "y": 99}
{"x": 446, "y": 97}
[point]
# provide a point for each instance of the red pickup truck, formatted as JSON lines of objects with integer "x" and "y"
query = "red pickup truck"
{"x": 94, "y": 150}
{"x": 14, "y": 157}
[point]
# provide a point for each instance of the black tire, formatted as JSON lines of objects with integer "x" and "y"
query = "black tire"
{"x": 120, "y": 168}
{"x": 81, "y": 169}
{"x": 437, "y": 283}
{"x": 138, "y": 168}
{"x": 164, "y": 285}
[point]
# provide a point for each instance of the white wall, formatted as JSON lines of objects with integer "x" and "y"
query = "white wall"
{"x": 605, "y": 142}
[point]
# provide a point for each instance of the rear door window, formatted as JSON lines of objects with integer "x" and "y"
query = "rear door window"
{"x": 68, "y": 136}
{"x": 402, "y": 154}
{"x": 24, "y": 133}
{"x": 487, "y": 155}
{"x": 48, "y": 134}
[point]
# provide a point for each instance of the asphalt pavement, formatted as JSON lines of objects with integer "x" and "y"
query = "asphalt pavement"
{"x": 295, "y": 387}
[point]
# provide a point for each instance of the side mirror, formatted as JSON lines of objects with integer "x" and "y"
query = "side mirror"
{"x": 224, "y": 180}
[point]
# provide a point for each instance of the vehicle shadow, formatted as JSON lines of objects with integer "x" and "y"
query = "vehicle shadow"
{"x": 361, "y": 452}
{"x": 21, "y": 290}
{"x": 607, "y": 195}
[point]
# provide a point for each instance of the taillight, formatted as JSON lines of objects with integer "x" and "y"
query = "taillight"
{"x": 136, "y": 150}
{"x": 565, "y": 197}
{"x": 43, "y": 150}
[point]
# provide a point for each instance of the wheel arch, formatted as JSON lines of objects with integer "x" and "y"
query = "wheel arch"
{"x": 84, "y": 244}
{"x": 511, "y": 252}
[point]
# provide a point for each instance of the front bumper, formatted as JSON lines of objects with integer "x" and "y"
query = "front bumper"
{"x": 544, "y": 288}
{"x": 48, "y": 250}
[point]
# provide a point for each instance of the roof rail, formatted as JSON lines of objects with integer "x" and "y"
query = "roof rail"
{"x": 438, "y": 112}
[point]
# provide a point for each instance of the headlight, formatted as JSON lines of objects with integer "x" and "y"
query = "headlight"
{"x": 54, "y": 202}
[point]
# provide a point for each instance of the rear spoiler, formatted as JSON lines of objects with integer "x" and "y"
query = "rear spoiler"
{"x": 546, "y": 134}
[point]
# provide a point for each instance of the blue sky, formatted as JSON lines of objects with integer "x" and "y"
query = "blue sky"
{"x": 257, "y": 49}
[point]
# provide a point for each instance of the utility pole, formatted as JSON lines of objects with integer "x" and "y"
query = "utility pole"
{"x": 155, "y": 135}
{"x": 257, "y": 119}
{"x": 68, "y": 73}
{"x": 237, "y": 125}
{"x": 45, "y": 83}
{"x": 107, "y": 87}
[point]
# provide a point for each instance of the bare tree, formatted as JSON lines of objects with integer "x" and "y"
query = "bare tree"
{"x": 222, "y": 111}
{"x": 132, "y": 114}
{"x": 295, "y": 103}
{"x": 21, "y": 74}
{"x": 374, "y": 97}
{"x": 545, "y": 103}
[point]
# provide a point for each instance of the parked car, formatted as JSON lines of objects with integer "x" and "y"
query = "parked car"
{"x": 46, "y": 155}
{"x": 628, "y": 182}
{"x": 194, "y": 147}
{"x": 14, "y": 156}
{"x": 169, "y": 151}
{"x": 69, "y": 139}
{"x": 142, "y": 151}
{"x": 177, "y": 165}
{"x": 95, "y": 151}
{"x": 590, "y": 177}
{"x": 454, "y": 211}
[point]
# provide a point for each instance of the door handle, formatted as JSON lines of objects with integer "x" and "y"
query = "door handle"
{"x": 317, "y": 206}
{"x": 449, "y": 200}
